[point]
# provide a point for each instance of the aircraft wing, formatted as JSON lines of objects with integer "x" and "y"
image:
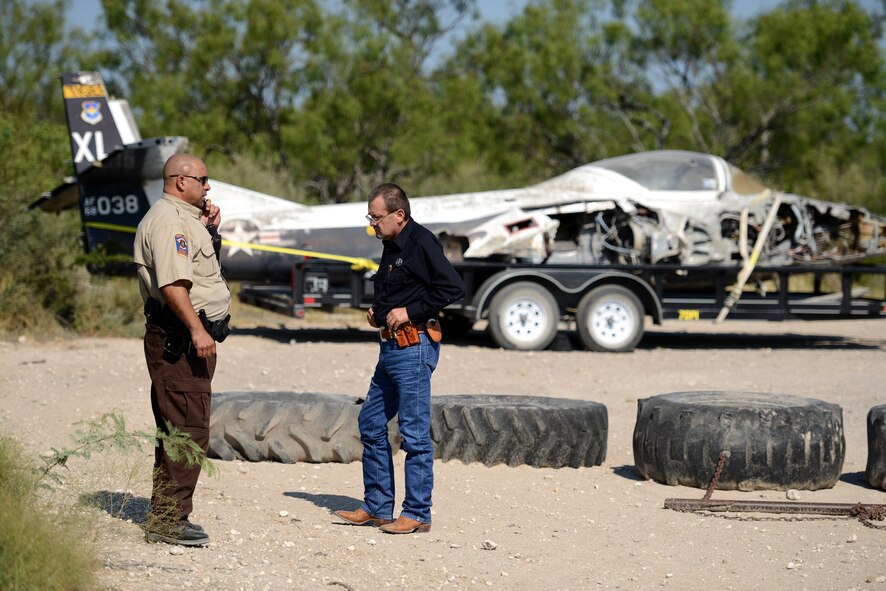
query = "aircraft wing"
{"x": 64, "y": 196}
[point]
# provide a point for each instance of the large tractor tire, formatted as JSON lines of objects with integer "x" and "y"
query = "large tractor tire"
{"x": 515, "y": 430}
{"x": 876, "y": 468}
{"x": 286, "y": 427}
{"x": 523, "y": 316}
{"x": 774, "y": 441}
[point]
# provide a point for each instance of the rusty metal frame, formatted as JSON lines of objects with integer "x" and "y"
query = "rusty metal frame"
{"x": 863, "y": 511}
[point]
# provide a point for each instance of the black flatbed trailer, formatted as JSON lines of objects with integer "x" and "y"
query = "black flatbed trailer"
{"x": 525, "y": 303}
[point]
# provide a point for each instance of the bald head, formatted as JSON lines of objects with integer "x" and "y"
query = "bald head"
{"x": 181, "y": 178}
{"x": 180, "y": 164}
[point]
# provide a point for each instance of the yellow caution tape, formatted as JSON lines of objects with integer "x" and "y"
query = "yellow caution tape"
{"x": 111, "y": 227}
{"x": 357, "y": 263}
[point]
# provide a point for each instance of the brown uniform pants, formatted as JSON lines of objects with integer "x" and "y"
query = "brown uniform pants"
{"x": 180, "y": 394}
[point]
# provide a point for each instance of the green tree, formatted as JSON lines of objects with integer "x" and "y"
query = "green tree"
{"x": 381, "y": 110}
{"x": 564, "y": 88}
{"x": 817, "y": 109}
{"x": 225, "y": 73}
{"x": 33, "y": 45}
{"x": 796, "y": 96}
{"x": 39, "y": 281}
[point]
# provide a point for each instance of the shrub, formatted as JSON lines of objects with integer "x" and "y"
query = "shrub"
{"x": 41, "y": 547}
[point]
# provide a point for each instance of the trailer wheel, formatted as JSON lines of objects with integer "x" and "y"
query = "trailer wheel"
{"x": 774, "y": 441}
{"x": 523, "y": 316}
{"x": 609, "y": 318}
{"x": 876, "y": 468}
{"x": 516, "y": 430}
{"x": 286, "y": 427}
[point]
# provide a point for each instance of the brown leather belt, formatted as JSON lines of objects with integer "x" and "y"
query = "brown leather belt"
{"x": 385, "y": 334}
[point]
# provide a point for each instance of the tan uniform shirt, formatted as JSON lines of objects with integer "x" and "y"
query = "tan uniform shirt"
{"x": 172, "y": 244}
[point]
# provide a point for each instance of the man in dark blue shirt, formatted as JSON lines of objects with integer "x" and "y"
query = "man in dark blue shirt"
{"x": 414, "y": 282}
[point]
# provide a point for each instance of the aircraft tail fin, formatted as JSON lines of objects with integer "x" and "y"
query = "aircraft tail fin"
{"x": 115, "y": 170}
{"x": 97, "y": 124}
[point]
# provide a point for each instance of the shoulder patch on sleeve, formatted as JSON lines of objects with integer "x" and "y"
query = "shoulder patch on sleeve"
{"x": 181, "y": 244}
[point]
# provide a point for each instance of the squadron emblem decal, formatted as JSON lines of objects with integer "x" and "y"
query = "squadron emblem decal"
{"x": 181, "y": 244}
{"x": 92, "y": 112}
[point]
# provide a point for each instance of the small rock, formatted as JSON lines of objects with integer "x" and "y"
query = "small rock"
{"x": 176, "y": 550}
{"x": 793, "y": 494}
{"x": 283, "y": 513}
{"x": 791, "y": 566}
{"x": 880, "y": 579}
{"x": 488, "y": 545}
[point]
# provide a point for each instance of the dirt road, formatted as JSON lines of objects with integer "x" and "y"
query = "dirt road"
{"x": 494, "y": 527}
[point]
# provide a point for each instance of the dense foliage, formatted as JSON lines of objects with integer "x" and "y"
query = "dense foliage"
{"x": 319, "y": 101}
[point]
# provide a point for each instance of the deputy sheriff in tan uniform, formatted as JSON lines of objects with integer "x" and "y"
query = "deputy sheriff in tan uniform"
{"x": 186, "y": 309}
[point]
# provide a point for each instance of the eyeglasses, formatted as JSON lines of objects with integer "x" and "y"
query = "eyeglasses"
{"x": 376, "y": 219}
{"x": 200, "y": 179}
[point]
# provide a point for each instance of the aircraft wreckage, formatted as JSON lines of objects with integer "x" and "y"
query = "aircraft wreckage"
{"x": 667, "y": 207}
{"x": 660, "y": 207}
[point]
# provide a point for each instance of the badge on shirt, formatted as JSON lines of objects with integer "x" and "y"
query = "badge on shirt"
{"x": 398, "y": 262}
{"x": 181, "y": 244}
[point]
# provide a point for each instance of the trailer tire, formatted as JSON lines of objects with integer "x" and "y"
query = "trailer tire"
{"x": 774, "y": 441}
{"x": 523, "y": 316}
{"x": 516, "y": 430}
{"x": 609, "y": 318}
{"x": 286, "y": 427}
{"x": 875, "y": 472}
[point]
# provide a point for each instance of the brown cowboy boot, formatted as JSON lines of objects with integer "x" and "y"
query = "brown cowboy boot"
{"x": 405, "y": 525}
{"x": 361, "y": 517}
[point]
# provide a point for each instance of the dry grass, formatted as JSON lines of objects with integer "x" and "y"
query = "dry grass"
{"x": 42, "y": 546}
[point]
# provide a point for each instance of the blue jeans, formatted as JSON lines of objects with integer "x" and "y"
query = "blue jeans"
{"x": 400, "y": 386}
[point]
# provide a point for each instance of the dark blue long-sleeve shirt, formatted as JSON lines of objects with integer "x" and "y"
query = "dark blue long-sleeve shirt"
{"x": 416, "y": 275}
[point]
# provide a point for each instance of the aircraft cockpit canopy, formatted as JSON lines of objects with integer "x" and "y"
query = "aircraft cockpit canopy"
{"x": 667, "y": 170}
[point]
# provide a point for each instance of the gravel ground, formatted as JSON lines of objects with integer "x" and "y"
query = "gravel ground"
{"x": 494, "y": 527}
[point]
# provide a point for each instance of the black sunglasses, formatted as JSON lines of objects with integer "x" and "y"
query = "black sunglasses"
{"x": 202, "y": 179}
